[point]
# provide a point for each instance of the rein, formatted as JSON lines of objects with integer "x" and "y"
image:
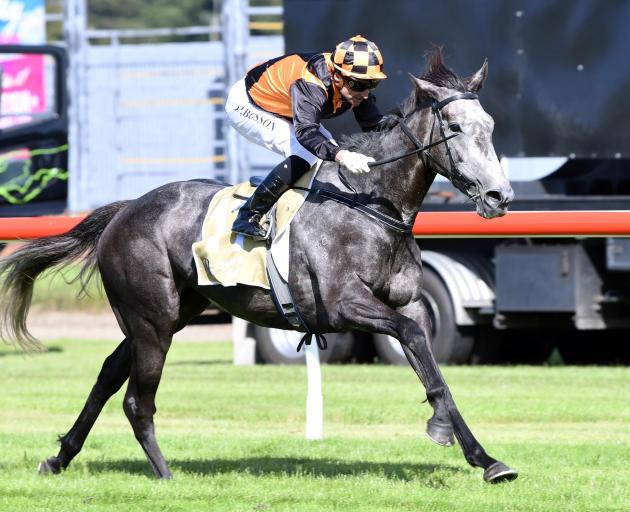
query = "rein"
{"x": 452, "y": 175}
{"x": 436, "y": 107}
{"x": 405, "y": 129}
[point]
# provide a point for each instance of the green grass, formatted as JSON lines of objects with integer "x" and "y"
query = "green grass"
{"x": 234, "y": 437}
{"x": 60, "y": 291}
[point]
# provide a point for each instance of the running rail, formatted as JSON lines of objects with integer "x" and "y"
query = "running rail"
{"x": 25, "y": 228}
{"x": 428, "y": 224}
{"x": 524, "y": 224}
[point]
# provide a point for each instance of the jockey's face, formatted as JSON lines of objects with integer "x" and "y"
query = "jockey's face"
{"x": 349, "y": 95}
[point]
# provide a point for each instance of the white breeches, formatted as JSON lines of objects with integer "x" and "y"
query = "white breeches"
{"x": 262, "y": 128}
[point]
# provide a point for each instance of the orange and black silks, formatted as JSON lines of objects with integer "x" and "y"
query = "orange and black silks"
{"x": 299, "y": 87}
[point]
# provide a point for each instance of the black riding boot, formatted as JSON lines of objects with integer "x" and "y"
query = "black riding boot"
{"x": 277, "y": 182}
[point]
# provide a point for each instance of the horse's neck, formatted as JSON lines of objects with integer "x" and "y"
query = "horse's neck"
{"x": 400, "y": 185}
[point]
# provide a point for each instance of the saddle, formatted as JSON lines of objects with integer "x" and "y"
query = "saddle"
{"x": 225, "y": 258}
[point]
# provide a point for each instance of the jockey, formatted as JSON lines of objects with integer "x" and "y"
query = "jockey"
{"x": 280, "y": 103}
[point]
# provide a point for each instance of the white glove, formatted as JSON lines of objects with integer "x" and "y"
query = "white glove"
{"x": 356, "y": 163}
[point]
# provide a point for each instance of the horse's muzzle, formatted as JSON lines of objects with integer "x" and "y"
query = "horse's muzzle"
{"x": 494, "y": 202}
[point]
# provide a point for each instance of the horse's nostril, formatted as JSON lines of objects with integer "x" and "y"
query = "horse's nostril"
{"x": 494, "y": 197}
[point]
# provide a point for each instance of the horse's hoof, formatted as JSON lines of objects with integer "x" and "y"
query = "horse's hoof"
{"x": 50, "y": 466}
{"x": 440, "y": 433}
{"x": 499, "y": 472}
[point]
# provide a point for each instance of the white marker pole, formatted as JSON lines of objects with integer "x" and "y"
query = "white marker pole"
{"x": 314, "y": 397}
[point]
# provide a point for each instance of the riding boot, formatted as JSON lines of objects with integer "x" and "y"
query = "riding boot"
{"x": 266, "y": 194}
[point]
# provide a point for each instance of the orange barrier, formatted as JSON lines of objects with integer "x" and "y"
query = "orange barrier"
{"x": 523, "y": 224}
{"x": 24, "y": 228}
{"x": 427, "y": 224}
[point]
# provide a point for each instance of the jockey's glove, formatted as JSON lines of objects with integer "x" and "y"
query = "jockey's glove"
{"x": 356, "y": 163}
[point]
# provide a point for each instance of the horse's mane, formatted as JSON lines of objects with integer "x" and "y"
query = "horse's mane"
{"x": 435, "y": 72}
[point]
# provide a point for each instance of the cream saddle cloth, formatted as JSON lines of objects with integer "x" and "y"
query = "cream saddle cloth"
{"x": 228, "y": 259}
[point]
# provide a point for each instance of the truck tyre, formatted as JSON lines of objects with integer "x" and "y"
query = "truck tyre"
{"x": 277, "y": 346}
{"x": 450, "y": 344}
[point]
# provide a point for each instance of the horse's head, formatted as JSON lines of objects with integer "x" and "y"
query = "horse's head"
{"x": 469, "y": 159}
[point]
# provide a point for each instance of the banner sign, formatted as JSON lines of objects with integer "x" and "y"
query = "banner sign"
{"x": 22, "y": 22}
{"x": 22, "y": 89}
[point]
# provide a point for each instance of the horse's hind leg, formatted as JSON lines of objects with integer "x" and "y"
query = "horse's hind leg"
{"x": 151, "y": 323}
{"x": 139, "y": 402}
{"x": 113, "y": 375}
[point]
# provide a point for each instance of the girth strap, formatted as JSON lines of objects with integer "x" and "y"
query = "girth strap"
{"x": 286, "y": 306}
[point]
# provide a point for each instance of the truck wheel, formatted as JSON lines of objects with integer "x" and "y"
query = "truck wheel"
{"x": 450, "y": 344}
{"x": 277, "y": 346}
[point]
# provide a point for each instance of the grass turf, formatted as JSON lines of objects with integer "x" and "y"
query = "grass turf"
{"x": 234, "y": 437}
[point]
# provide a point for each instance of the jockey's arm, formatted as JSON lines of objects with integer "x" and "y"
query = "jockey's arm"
{"x": 307, "y": 101}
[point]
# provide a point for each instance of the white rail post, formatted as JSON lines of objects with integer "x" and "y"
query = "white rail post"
{"x": 314, "y": 397}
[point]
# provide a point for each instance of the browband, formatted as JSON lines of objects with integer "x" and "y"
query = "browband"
{"x": 463, "y": 96}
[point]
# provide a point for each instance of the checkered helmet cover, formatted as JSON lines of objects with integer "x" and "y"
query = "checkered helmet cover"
{"x": 359, "y": 58}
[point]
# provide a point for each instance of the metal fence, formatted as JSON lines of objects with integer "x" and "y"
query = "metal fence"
{"x": 147, "y": 114}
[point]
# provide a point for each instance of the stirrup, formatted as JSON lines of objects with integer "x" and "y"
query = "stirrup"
{"x": 266, "y": 226}
{"x": 269, "y": 226}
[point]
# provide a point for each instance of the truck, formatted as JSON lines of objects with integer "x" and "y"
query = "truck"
{"x": 557, "y": 91}
{"x": 562, "y": 135}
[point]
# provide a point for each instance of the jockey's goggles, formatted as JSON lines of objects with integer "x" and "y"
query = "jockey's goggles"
{"x": 357, "y": 85}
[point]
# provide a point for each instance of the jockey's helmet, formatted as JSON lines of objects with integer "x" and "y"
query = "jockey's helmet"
{"x": 358, "y": 58}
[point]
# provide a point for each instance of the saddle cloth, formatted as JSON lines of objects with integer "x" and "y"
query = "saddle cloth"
{"x": 225, "y": 258}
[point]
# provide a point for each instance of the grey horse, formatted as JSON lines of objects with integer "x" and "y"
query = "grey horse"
{"x": 349, "y": 270}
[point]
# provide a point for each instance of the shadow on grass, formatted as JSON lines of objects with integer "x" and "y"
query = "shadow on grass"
{"x": 201, "y": 362}
{"x": 289, "y": 467}
{"x": 19, "y": 352}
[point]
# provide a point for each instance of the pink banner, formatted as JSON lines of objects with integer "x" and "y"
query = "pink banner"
{"x": 23, "y": 90}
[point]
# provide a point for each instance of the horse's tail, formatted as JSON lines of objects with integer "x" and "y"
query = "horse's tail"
{"x": 20, "y": 269}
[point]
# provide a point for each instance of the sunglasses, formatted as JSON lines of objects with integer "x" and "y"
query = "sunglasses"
{"x": 361, "y": 85}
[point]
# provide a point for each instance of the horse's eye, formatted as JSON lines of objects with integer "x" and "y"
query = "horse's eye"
{"x": 454, "y": 127}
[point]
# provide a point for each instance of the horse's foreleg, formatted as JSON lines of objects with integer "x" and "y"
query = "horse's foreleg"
{"x": 439, "y": 427}
{"x": 113, "y": 375}
{"x": 374, "y": 315}
{"x": 446, "y": 414}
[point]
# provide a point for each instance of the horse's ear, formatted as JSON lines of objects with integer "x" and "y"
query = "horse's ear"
{"x": 424, "y": 87}
{"x": 476, "y": 81}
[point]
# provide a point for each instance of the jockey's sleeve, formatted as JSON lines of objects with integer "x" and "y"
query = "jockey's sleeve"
{"x": 367, "y": 114}
{"x": 307, "y": 101}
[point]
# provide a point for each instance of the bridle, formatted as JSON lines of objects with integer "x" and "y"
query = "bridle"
{"x": 452, "y": 174}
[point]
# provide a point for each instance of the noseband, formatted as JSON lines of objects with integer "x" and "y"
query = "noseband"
{"x": 453, "y": 174}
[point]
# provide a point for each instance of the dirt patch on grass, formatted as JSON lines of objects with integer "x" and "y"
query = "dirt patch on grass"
{"x": 55, "y": 325}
